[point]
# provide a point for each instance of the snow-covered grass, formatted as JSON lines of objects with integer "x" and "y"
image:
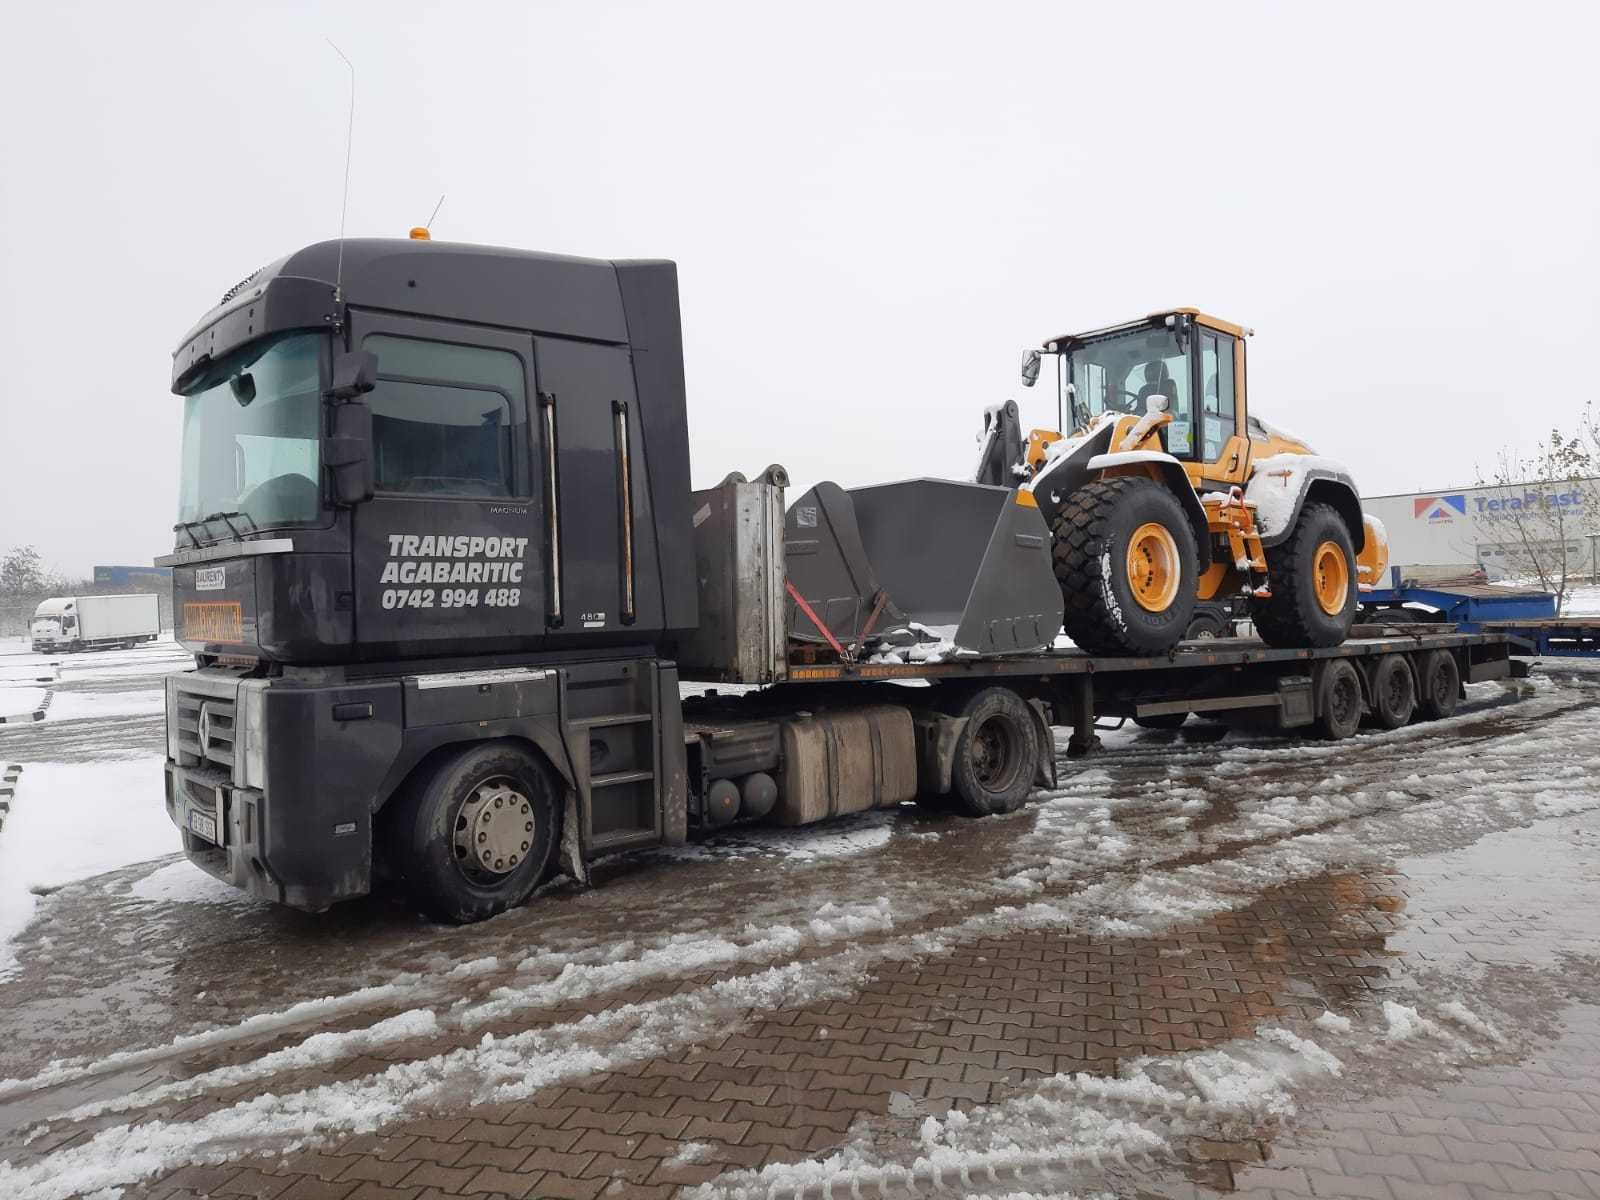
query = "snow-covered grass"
{"x": 70, "y": 821}
{"x": 20, "y": 701}
{"x": 1583, "y": 601}
{"x": 70, "y": 705}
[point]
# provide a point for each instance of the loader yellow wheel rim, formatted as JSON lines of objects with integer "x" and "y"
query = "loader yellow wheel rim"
{"x": 1330, "y": 576}
{"x": 1153, "y": 569}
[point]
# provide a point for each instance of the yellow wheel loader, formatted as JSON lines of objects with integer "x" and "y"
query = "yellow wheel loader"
{"x": 1168, "y": 494}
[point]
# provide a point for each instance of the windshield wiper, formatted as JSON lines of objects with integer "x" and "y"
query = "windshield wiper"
{"x": 186, "y": 527}
{"x": 225, "y": 518}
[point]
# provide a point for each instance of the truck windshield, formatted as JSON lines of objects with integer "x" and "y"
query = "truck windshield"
{"x": 251, "y": 435}
{"x": 1118, "y": 373}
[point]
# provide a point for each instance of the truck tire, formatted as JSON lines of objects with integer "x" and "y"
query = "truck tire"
{"x": 1440, "y": 678}
{"x": 1339, "y": 700}
{"x": 1164, "y": 721}
{"x": 1394, "y": 692}
{"x": 1312, "y": 575}
{"x": 1125, "y": 557}
{"x": 995, "y": 755}
{"x": 475, "y": 833}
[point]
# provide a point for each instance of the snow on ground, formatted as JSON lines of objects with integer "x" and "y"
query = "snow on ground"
{"x": 184, "y": 883}
{"x": 70, "y": 821}
{"x": 20, "y": 701}
{"x": 68, "y": 705}
{"x": 1583, "y": 601}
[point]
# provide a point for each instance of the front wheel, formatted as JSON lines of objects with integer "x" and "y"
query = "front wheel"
{"x": 1125, "y": 557}
{"x": 476, "y": 832}
{"x": 1312, "y": 577}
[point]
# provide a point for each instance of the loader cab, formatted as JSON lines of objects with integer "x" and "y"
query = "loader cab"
{"x": 1192, "y": 362}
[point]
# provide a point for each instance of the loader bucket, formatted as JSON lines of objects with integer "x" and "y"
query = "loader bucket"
{"x": 967, "y": 560}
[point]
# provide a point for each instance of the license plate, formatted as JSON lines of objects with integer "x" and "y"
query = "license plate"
{"x": 210, "y": 579}
{"x": 203, "y": 826}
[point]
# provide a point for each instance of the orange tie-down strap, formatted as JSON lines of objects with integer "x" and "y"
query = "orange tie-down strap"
{"x": 815, "y": 620}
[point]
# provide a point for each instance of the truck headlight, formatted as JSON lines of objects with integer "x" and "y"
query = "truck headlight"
{"x": 250, "y": 734}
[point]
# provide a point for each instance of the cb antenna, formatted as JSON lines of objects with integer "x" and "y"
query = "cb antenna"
{"x": 349, "y": 141}
{"x": 424, "y": 232}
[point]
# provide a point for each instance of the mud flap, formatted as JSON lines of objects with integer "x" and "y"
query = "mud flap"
{"x": 1044, "y": 774}
{"x": 936, "y": 736}
{"x": 571, "y": 850}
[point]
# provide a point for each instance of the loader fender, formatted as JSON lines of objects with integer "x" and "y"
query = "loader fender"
{"x": 1092, "y": 457}
{"x": 1282, "y": 484}
{"x": 1171, "y": 473}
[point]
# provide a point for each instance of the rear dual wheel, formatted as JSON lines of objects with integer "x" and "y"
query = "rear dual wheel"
{"x": 996, "y": 754}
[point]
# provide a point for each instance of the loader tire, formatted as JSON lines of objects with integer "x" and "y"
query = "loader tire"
{"x": 1125, "y": 558}
{"x": 473, "y": 833}
{"x": 996, "y": 754}
{"x": 1312, "y": 576}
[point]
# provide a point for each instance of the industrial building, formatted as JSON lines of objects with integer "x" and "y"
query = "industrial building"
{"x": 1499, "y": 528}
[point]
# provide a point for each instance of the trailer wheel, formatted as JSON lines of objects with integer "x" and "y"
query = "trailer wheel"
{"x": 1394, "y": 692}
{"x": 474, "y": 834}
{"x": 995, "y": 755}
{"x": 1125, "y": 557}
{"x": 1339, "y": 700}
{"x": 1312, "y": 575}
{"x": 1441, "y": 685}
{"x": 1164, "y": 721}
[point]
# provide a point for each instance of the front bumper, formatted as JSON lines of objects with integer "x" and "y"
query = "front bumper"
{"x": 272, "y": 791}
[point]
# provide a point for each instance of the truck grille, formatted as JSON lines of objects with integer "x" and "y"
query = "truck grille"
{"x": 216, "y": 746}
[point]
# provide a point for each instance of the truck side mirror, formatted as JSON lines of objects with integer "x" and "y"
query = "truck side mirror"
{"x": 347, "y": 452}
{"x": 1030, "y": 368}
{"x": 354, "y": 374}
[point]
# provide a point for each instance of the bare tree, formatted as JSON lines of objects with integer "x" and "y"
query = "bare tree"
{"x": 1548, "y": 513}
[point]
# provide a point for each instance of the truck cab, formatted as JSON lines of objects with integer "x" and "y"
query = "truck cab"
{"x": 401, "y": 460}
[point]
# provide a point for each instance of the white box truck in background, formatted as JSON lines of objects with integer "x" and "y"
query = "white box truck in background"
{"x": 96, "y": 622}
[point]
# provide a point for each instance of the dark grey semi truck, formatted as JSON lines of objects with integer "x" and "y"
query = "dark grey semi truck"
{"x": 443, "y": 573}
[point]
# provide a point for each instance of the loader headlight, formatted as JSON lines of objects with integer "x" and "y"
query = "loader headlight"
{"x": 250, "y": 734}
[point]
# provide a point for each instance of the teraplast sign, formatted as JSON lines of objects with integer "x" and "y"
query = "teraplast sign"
{"x": 1484, "y": 525}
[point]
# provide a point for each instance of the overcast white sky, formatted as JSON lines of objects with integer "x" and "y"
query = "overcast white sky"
{"x": 874, "y": 210}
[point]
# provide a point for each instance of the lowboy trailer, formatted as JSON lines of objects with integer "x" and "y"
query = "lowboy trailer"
{"x": 445, "y": 579}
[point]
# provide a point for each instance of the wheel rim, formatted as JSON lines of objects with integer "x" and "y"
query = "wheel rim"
{"x": 1331, "y": 575}
{"x": 995, "y": 754}
{"x": 494, "y": 830}
{"x": 1153, "y": 567}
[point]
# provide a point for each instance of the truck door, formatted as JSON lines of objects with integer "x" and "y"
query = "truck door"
{"x": 451, "y": 546}
{"x": 609, "y": 577}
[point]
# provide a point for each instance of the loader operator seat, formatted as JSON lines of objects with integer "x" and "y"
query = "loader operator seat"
{"x": 1157, "y": 383}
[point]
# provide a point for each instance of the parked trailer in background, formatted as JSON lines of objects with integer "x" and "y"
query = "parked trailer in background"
{"x": 66, "y": 623}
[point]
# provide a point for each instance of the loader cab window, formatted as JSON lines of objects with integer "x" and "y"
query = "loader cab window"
{"x": 1217, "y": 401}
{"x": 1120, "y": 372}
{"x": 448, "y": 419}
